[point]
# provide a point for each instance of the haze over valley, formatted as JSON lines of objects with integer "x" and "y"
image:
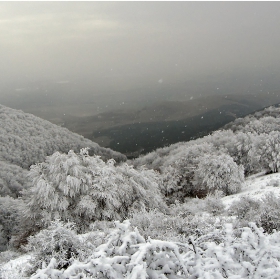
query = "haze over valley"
{"x": 137, "y": 76}
{"x": 143, "y": 119}
{"x": 139, "y": 123}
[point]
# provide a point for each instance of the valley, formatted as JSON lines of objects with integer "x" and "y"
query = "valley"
{"x": 139, "y": 131}
{"x": 137, "y": 124}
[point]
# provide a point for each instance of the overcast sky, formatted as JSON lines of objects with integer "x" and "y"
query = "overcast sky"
{"x": 122, "y": 46}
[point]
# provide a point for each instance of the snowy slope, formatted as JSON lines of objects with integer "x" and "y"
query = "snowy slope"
{"x": 257, "y": 186}
{"x": 14, "y": 269}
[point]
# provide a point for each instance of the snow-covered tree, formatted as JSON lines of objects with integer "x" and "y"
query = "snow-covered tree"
{"x": 10, "y": 216}
{"x": 269, "y": 152}
{"x": 263, "y": 121}
{"x": 82, "y": 189}
{"x": 13, "y": 179}
{"x": 219, "y": 172}
{"x": 178, "y": 178}
{"x": 238, "y": 145}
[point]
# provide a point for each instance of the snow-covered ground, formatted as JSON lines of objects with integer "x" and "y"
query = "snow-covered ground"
{"x": 257, "y": 186}
{"x": 14, "y": 269}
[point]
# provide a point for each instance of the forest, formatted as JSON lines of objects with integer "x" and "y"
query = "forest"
{"x": 72, "y": 209}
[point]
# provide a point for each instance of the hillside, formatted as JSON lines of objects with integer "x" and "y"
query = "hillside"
{"x": 26, "y": 140}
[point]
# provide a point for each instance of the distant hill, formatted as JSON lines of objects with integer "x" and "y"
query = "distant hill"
{"x": 26, "y": 140}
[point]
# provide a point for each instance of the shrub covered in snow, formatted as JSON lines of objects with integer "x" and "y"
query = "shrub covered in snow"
{"x": 158, "y": 225}
{"x": 8, "y": 255}
{"x": 245, "y": 208}
{"x": 264, "y": 212}
{"x": 269, "y": 214}
{"x": 195, "y": 217}
{"x": 213, "y": 204}
{"x": 59, "y": 241}
{"x": 252, "y": 255}
{"x": 126, "y": 254}
{"x": 16, "y": 268}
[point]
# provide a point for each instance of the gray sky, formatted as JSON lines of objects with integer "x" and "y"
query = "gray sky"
{"x": 124, "y": 46}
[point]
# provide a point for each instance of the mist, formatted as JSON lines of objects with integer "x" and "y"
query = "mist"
{"x": 65, "y": 60}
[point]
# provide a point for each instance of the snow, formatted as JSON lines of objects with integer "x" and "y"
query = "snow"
{"x": 256, "y": 186}
{"x": 134, "y": 251}
{"x": 14, "y": 269}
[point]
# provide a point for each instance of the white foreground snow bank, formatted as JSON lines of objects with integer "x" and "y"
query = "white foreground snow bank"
{"x": 256, "y": 187}
{"x": 14, "y": 269}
